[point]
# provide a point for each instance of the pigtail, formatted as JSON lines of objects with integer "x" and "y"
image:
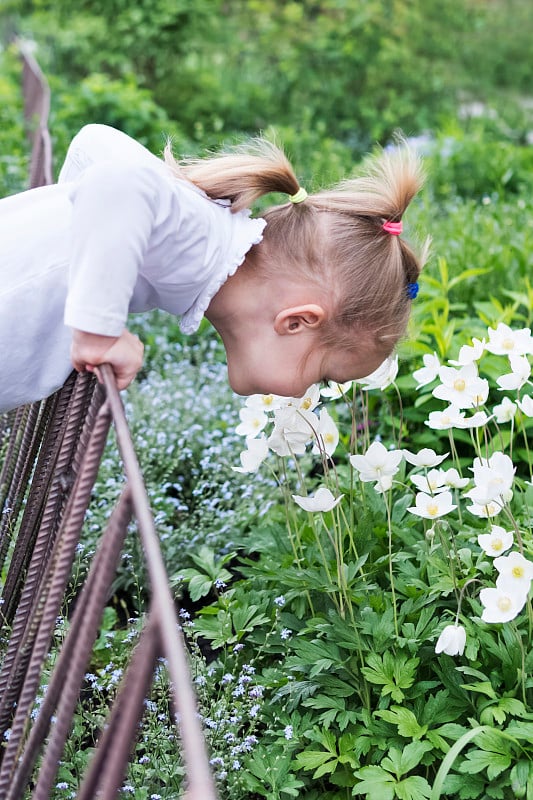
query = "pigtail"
{"x": 389, "y": 181}
{"x": 241, "y": 176}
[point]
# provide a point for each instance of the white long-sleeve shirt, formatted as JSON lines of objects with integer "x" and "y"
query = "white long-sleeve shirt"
{"x": 117, "y": 234}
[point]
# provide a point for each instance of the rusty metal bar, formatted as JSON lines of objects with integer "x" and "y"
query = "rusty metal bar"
{"x": 201, "y": 785}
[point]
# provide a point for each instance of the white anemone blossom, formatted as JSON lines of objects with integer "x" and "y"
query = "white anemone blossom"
{"x": 429, "y": 372}
{"x": 309, "y": 400}
{"x": 450, "y": 417}
{"x": 383, "y": 376}
{"x": 334, "y": 390}
{"x": 293, "y": 430}
{"x": 265, "y": 402}
{"x": 252, "y": 421}
{"x": 493, "y": 480}
{"x": 469, "y": 353}
{"x": 432, "y": 482}
{"x": 453, "y": 480}
{"x": 377, "y": 463}
{"x": 496, "y": 542}
{"x": 526, "y": 405}
{"x": 476, "y": 420}
{"x": 426, "y": 457}
{"x": 501, "y": 605}
{"x": 254, "y": 455}
{"x": 515, "y": 572}
{"x": 326, "y": 433}
{"x": 504, "y": 411}
{"x": 323, "y": 500}
{"x": 519, "y": 375}
{"x": 451, "y": 641}
{"x": 432, "y": 506}
{"x": 504, "y": 341}
{"x": 462, "y": 387}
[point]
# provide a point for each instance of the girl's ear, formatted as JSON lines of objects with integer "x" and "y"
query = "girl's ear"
{"x": 299, "y": 318}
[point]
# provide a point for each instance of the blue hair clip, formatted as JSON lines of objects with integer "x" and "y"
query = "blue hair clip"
{"x": 412, "y": 290}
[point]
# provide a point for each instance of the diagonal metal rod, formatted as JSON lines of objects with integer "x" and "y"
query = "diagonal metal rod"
{"x": 200, "y": 780}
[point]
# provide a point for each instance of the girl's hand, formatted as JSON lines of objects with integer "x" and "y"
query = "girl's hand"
{"x": 124, "y": 353}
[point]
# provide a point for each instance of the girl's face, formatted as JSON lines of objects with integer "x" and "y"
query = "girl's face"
{"x": 290, "y": 365}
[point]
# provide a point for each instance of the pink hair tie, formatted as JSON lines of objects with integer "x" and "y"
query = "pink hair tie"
{"x": 394, "y": 228}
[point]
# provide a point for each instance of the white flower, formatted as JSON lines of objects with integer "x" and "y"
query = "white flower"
{"x": 293, "y": 430}
{"x": 503, "y": 341}
{"x": 516, "y": 572}
{"x": 505, "y": 411}
{"x": 495, "y": 542}
{"x": 485, "y": 511}
{"x": 430, "y": 483}
{"x": 323, "y": 500}
{"x": 477, "y": 420}
{"x": 327, "y": 434}
{"x": 383, "y": 484}
{"x": 450, "y": 417}
{"x": 430, "y": 507}
{"x": 429, "y": 372}
{"x": 252, "y": 422}
{"x": 426, "y": 457}
{"x": 462, "y": 387}
{"x": 519, "y": 375}
{"x": 265, "y": 402}
{"x": 453, "y": 480}
{"x": 493, "y": 479}
{"x": 383, "y": 376}
{"x": 469, "y": 353}
{"x": 377, "y": 462}
{"x": 257, "y": 451}
{"x": 309, "y": 400}
{"x": 526, "y": 405}
{"x": 335, "y": 390}
{"x": 452, "y": 641}
{"x": 501, "y": 605}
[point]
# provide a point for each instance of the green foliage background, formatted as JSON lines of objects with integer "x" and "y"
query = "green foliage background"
{"x": 330, "y": 79}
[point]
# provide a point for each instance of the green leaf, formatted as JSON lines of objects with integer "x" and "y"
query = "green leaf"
{"x": 413, "y": 788}
{"x": 478, "y": 760}
{"x": 375, "y": 782}
{"x": 400, "y": 762}
{"x": 405, "y": 720}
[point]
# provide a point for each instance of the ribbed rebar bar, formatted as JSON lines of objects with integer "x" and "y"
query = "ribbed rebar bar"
{"x": 67, "y": 678}
{"x": 200, "y": 781}
{"x": 107, "y": 769}
{"x": 37, "y": 642}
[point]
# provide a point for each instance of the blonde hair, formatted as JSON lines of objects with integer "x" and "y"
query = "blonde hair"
{"x": 334, "y": 238}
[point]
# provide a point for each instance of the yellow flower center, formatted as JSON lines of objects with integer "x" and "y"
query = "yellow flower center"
{"x": 517, "y": 572}
{"x": 329, "y": 438}
{"x": 432, "y": 509}
{"x": 306, "y": 403}
{"x": 508, "y": 344}
{"x": 497, "y": 545}
{"x": 459, "y": 385}
{"x": 256, "y": 423}
{"x": 504, "y": 603}
{"x": 268, "y": 399}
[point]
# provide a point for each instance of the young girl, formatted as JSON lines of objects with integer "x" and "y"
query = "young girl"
{"x": 320, "y": 288}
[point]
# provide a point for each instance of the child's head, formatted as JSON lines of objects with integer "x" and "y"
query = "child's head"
{"x": 334, "y": 241}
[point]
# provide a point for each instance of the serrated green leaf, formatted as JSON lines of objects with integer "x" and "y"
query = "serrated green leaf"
{"x": 413, "y": 788}
{"x": 478, "y": 760}
{"x": 405, "y": 720}
{"x": 375, "y": 782}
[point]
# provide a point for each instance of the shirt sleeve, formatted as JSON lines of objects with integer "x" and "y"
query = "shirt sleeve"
{"x": 95, "y": 143}
{"x": 114, "y": 208}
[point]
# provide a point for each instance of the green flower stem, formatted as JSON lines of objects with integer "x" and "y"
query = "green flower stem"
{"x": 391, "y": 573}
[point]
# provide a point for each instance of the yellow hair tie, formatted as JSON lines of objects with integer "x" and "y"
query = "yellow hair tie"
{"x": 299, "y": 197}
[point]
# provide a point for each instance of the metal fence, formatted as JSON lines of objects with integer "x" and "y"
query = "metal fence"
{"x": 50, "y": 455}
